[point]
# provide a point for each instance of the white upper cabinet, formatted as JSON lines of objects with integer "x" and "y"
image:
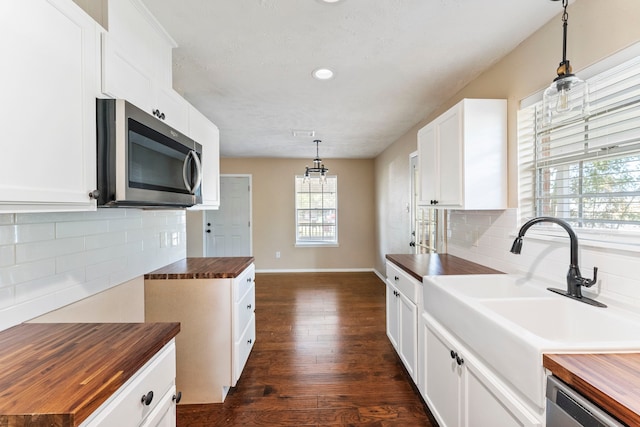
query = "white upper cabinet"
{"x": 206, "y": 133}
{"x": 49, "y": 74}
{"x": 136, "y": 63}
{"x": 463, "y": 157}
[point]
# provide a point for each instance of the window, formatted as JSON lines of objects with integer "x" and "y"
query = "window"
{"x": 317, "y": 211}
{"x": 586, "y": 170}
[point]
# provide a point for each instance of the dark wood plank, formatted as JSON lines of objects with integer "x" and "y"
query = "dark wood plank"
{"x": 321, "y": 358}
{"x": 58, "y": 374}
{"x": 418, "y": 265}
{"x": 611, "y": 381}
{"x": 202, "y": 268}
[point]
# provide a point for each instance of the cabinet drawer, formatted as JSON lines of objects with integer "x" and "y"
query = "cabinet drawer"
{"x": 243, "y": 311}
{"x": 401, "y": 280}
{"x": 125, "y": 407}
{"x": 164, "y": 415}
{"x": 243, "y": 282}
{"x": 242, "y": 349}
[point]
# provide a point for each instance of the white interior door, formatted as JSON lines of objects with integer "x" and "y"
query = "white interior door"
{"x": 228, "y": 229}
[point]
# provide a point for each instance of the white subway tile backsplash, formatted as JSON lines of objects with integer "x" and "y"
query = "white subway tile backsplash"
{"x": 48, "y": 260}
{"x": 80, "y": 228}
{"x": 7, "y": 255}
{"x": 105, "y": 240}
{"x": 20, "y": 273}
{"x": 49, "y": 249}
{"x": 7, "y": 219}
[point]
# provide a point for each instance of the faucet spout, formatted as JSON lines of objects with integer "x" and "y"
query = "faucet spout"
{"x": 575, "y": 281}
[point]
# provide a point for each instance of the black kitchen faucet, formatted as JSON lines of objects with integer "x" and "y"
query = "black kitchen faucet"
{"x": 575, "y": 281}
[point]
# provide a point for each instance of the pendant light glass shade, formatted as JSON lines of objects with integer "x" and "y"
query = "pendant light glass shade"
{"x": 565, "y": 99}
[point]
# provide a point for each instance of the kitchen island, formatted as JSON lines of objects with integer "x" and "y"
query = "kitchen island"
{"x": 214, "y": 301}
{"x": 63, "y": 374}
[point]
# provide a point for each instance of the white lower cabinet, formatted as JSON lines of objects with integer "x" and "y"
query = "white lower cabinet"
{"x": 460, "y": 390}
{"x": 147, "y": 399}
{"x": 402, "y": 317}
{"x": 217, "y": 330}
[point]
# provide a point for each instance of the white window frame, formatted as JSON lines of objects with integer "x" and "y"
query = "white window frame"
{"x": 598, "y": 238}
{"x": 309, "y": 242}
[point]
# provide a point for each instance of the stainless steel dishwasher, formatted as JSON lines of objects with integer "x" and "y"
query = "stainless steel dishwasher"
{"x": 567, "y": 408}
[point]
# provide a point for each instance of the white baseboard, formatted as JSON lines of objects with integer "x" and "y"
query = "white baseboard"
{"x": 325, "y": 270}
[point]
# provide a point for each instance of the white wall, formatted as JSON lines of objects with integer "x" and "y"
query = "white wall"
{"x": 50, "y": 260}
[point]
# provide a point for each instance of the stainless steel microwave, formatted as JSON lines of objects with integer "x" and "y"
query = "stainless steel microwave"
{"x": 143, "y": 161}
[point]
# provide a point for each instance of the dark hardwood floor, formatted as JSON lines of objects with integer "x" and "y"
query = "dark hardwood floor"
{"x": 321, "y": 358}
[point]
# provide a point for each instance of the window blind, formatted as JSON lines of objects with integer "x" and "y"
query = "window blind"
{"x": 316, "y": 210}
{"x": 586, "y": 169}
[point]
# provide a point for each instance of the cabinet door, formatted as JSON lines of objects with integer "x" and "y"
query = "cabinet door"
{"x": 449, "y": 135}
{"x": 487, "y": 403}
{"x": 206, "y": 133}
{"x": 393, "y": 316}
{"x": 442, "y": 379}
{"x": 428, "y": 165}
{"x": 49, "y": 52}
{"x": 408, "y": 345}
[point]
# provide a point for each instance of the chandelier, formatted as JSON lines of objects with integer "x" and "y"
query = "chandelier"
{"x": 568, "y": 96}
{"x": 318, "y": 167}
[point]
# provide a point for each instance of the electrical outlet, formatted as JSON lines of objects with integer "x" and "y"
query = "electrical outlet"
{"x": 277, "y": 254}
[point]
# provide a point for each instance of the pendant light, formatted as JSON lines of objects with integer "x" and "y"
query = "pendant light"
{"x": 318, "y": 167}
{"x": 568, "y": 96}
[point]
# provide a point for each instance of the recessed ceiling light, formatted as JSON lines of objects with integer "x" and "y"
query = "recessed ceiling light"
{"x": 330, "y": 1}
{"x": 322, "y": 74}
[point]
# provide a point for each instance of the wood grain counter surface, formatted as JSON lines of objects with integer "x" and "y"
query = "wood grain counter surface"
{"x": 54, "y": 374}
{"x": 611, "y": 381}
{"x": 202, "y": 268}
{"x": 418, "y": 265}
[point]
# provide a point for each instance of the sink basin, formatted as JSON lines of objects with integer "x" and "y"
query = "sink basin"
{"x": 509, "y": 321}
{"x": 564, "y": 321}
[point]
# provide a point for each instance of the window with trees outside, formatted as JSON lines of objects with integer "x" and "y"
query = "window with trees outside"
{"x": 316, "y": 211}
{"x": 586, "y": 169}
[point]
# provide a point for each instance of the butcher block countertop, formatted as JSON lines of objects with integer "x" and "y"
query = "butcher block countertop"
{"x": 418, "y": 265}
{"x": 611, "y": 381}
{"x": 54, "y": 374}
{"x": 202, "y": 268}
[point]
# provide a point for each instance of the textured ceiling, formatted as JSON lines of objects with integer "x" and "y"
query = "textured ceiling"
{"x": 246, "y": 64}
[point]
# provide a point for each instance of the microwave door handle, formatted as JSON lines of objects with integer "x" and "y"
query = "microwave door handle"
{"x": 198, "y": 163}
{"x": 185, "y": 166}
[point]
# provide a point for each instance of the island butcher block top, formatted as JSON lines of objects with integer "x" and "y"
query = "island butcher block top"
{"x": 202, "y": 268}
{"x": 54, "y": 374}
{"x": 418, "y": 265}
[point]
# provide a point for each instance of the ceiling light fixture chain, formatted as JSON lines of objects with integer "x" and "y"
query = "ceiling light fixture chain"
{"x": 318, "y": 166}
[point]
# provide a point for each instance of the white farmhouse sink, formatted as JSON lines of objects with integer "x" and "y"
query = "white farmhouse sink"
{"x": 509, "y": 321}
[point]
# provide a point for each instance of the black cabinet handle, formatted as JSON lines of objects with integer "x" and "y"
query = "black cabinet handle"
{"x": 208, "y": 231}
{"x": 177, "y": 397}
{"x": 147, "y": 398}
{"x": 453, "y": 354}
{"x": 158, "y": 114}
{"x": 249, "y": 307}
{"x": 396, "y": 278}
{"x": 459, "y": 360}
{"x": 249, "y": 341}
